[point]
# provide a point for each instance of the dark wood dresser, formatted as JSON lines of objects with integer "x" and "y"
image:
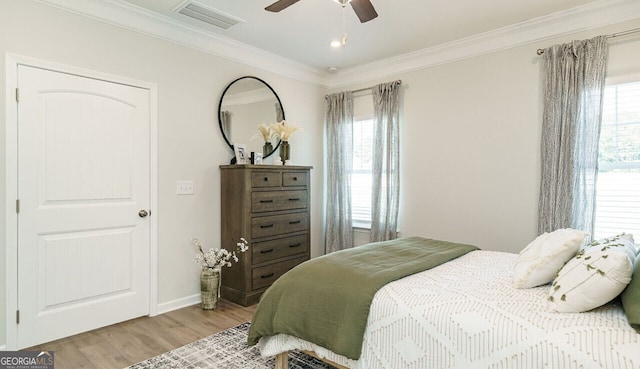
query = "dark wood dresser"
{"x": 269, "y": 206}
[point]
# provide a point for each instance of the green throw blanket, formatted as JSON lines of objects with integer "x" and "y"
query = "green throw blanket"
{"x": 326, "y": 300}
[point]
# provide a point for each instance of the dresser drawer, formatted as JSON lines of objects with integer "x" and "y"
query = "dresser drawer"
{"x": 278, "y": 224}
{"x": 278, "y": 200}
{"x": 266, "y": 275}
{"x": 265, "y": 251}
{"x": 266, "y": 179}
{"x": 295, "y": 179}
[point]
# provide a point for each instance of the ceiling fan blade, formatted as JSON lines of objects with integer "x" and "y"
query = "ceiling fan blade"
{"x": 280, "y": 4}
{"x": 364, "y": 10}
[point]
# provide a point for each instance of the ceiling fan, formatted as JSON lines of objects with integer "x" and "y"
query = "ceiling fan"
{"x": 363, "y": 8}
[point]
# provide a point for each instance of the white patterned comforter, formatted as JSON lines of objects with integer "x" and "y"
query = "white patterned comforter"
{"x": 465, "y": 314}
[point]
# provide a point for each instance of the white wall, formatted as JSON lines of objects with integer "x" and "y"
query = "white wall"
{"x": 470, "y": 143}
{"x": 190, "y": 145}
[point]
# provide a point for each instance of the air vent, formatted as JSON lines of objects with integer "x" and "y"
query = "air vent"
{"x": 208, "y": 15}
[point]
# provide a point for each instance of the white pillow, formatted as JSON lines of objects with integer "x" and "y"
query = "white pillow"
{"x": 540, "y": 261}
{"x": 595, "y": 276}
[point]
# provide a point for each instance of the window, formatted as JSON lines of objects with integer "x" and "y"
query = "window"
{"x": 361, "y": 172}
{"x": 618, "y": 185}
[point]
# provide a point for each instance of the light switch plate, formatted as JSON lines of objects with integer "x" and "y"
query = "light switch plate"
{"x": 184, "y": 187}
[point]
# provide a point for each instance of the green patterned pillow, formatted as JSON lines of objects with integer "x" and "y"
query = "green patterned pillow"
{"x": 596, "y": 275}
{"x": 631, "y": 298}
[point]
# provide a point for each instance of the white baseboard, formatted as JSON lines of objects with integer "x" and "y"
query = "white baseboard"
{"x": 168, "y": 306}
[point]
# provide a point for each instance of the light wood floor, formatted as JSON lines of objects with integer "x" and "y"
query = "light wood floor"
{"x": 123, "y": 344}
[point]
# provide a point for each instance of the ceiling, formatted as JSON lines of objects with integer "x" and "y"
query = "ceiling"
{"x": 304, "y": 31}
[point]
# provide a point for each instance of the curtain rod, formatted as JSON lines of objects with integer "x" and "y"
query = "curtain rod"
{"x": 366, "y": 88}
{"x": 617, "y": 34}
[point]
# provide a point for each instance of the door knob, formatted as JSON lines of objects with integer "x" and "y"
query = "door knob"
{"x": 142, "y": 213}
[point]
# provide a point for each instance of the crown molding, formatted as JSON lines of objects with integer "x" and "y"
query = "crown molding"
{"x": 134, "y": 18}
{"x": 119, "y": 13}
{"x": 594, "y": 15}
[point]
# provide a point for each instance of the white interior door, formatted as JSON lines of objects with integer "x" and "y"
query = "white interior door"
{"x": 83, "y": 178}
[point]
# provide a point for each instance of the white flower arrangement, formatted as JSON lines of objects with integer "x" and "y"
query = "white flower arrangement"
{"x": 215, "y": 259}
{"x": 265, "y": 132}
{"x": 285, "y": 129}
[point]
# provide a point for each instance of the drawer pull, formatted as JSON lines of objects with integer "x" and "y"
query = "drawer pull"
{"x": 266, "y": 201}
{"x": 266, "y": 276}
{"x": 266, "y": 226}
{"x": 295, "y": 245}
{"x": 295, "y": 222}
{"x": 266, "y": 251}
{"x": 295, "y": 178}
{"x": 266, "y": 179}
{"x": 294, "y": 199}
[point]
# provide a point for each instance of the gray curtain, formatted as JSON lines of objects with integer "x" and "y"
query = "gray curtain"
{"x": 386, "y": 162}
{"x": 225, "y": 118}
{"x": 339, "y": 126}
{"x": 279, "y": 113}
{"x": 574, "y": 79}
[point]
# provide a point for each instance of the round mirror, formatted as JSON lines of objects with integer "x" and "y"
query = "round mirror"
{"x": 246, "y": 103}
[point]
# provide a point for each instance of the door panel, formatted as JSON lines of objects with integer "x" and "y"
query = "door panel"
{"x": 102, "y": 259}
{"x": 83, "y": 164}
{"x": 98, "y": 126}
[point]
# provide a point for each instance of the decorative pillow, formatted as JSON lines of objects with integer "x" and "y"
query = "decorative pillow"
{"x": 631, "y": 298}
{"x": 540, "y": 261}
{"x": 595, "y": 276}
{"x": 622, "y": 242}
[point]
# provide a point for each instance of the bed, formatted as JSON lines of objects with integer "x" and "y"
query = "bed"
{"x": 466, "y": 313}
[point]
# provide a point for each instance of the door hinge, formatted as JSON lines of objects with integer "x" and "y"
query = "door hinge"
{"x": 17, "y": 316}
{"x": 17, "y": 94}
{"x": 18, "y": 206}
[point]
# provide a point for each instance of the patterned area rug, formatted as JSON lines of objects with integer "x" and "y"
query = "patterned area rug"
{"x": 225, "y": 350}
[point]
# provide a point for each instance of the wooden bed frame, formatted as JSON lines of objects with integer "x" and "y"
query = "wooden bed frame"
{"x": 282, "y": 360}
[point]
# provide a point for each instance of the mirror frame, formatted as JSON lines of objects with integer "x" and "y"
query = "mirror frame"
{"x": 224, "y": 92}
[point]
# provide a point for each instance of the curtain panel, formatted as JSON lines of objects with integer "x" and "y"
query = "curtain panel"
{"x": 225, "y": 118}
{"x": 385, "y": 162}
{"x": 574, "y": 80}
{"x": 279, "y": 112}
{"x": 339, "y": 133}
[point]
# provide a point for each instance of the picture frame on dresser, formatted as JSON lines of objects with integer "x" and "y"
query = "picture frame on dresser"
{"x": 240, "y": 151}
{"x": 258, "y": 158}
{"x": 269, "y": 206}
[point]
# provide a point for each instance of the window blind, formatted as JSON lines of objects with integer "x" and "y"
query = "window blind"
{"x": 361, "y": 173}
{"x": 618, "y": 185}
